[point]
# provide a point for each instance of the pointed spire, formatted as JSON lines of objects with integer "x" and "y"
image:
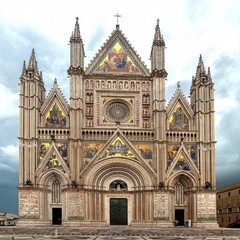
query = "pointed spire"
{"x": 55, "y": 81}
{"x": 158, "y": 38}
{"x": 200, "y": 67}
{"x": 24, "y": 70}
{"x": 32, "y": 62}
{"x": 209, "y": 74}
{"x": 76, "y": 33}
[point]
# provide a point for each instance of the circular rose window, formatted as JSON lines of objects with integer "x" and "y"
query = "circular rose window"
{"x": 117, "y": 111}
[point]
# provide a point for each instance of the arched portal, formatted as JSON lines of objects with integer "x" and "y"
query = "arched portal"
{"x": 120, "y": 181}
{"x": 183, "y": 185}
{"x": 53, "y": 200}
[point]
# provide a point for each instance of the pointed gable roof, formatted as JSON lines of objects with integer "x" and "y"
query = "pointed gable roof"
{"x": 117, "y": 57}
{"x": 126, "y": 150}
{"x": 55, "y": 92}
{"x": 179, "y": 96}
{"x": 54, "y": 158}
{"x": 186, "y": 164}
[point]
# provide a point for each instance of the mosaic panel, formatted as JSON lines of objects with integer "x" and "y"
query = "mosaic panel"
{"x": 146, "y": 152}
{"x": 55, "y": 117}
{"x": 44, "y": 147}
{"x": 118, "y": 148}
{"x": 89, "y": 151}
{"x": 117, "y": 60}
{"x": 173, "y": 149}
{"x": 178, "y": 120}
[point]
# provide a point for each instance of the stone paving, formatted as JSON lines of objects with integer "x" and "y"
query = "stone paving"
{"x": 116, "y": 233}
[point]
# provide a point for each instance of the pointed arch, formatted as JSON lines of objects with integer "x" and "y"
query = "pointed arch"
{"x": 179, "y": 113}
{"x": 55, "y": 109}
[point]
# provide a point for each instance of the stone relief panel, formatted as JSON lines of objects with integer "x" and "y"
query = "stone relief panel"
{"x": 161, "y": 211}
{"x": 29, "y": 204}
{"x": 206, "y": 206}
{"x": 75, "y": 206}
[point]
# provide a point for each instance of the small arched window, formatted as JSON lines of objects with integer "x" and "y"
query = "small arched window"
{"x": 118, "y": 185}
{"x": 56, "y": 192}
{"x": 179, "y": 191}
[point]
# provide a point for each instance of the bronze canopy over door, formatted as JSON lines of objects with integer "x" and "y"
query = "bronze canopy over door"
{"x": 118, "y": 211}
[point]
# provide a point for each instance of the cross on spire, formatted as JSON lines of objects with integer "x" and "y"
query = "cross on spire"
{"x": 117, "y": 16}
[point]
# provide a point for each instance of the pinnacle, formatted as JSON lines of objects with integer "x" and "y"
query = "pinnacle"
{"x": 76, "y": 33}
{"x": 158, "y": 38}
{"x": 32, "y": 62}
{"x": 24, "y": 68}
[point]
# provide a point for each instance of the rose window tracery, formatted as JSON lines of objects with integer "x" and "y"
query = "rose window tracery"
{"x": 117, "y": 111}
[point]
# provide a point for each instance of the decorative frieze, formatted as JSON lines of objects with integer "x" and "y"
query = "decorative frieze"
{"x": 75, "y": 206}
{"x": 206, "y": 206}
{"x": 161, "y": 211}
{"x": 29, "y": 204}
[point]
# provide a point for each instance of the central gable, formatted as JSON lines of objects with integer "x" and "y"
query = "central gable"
{"x": 117, "y": 57}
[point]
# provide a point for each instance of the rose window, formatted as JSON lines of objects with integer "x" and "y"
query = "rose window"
{"x": 117, "y": 111}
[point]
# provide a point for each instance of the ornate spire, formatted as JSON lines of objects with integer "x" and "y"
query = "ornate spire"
{"x": 32, "y": 62}
{"x": 55, "y": 81}
{"x": 24, "y": 70}
{"x": 209, "y": 74}
{"x": 76, "y": 33}
{"x": 158, "y": 38}
{"x": 200, "y": 68}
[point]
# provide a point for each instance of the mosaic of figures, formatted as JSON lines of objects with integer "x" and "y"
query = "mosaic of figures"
{"x": 118, "y": 148}
{"x": 55, "y": 117}
{"x": 173, "y": 149}
{"x": 146, "y": 152}
{"x": 182, "y": 164}
{"x": 44, "y": 147}
{"x": 178, "y": 120}
{"x": 117, "y": 61}
{"x": 53, "y": 162}
{"x": 89, "y": 151}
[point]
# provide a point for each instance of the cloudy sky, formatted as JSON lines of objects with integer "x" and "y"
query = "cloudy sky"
{"x": 190, "y": 28}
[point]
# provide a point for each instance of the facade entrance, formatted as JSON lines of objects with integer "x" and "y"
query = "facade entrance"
{"x": 118, "y": 211}
{"x": 56, "y": 216}
{"x": 179, "y": 216}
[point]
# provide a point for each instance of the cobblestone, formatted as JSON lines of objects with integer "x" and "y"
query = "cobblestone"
{"x": 116, "y": 233}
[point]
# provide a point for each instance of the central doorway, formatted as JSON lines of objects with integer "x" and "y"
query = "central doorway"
{"x": 179, "y": 216}
{"x": 56, "y": 216}
{"x": 118, "y": 211}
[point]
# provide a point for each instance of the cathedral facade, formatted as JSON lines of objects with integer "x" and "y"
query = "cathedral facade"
{"x": 116, "y": 153}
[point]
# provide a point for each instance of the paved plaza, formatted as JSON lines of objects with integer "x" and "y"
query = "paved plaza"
{"x": 116, "y": 233}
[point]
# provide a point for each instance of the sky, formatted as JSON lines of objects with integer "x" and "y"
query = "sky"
{"x": 189, "y": 27}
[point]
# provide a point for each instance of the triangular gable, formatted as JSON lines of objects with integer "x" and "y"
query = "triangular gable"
{"x": 179, "y": 97}
{"x": 52, "y": 159}
{"x": 55, "y": 104}
{"x": 182, "y": 162}
{"x": 117, "y": 57}
{"x": 179, "y": 107}
{"x": 118, "y": 146}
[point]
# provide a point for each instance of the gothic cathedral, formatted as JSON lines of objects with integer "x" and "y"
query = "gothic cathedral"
{"x": 116, "y": 153}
